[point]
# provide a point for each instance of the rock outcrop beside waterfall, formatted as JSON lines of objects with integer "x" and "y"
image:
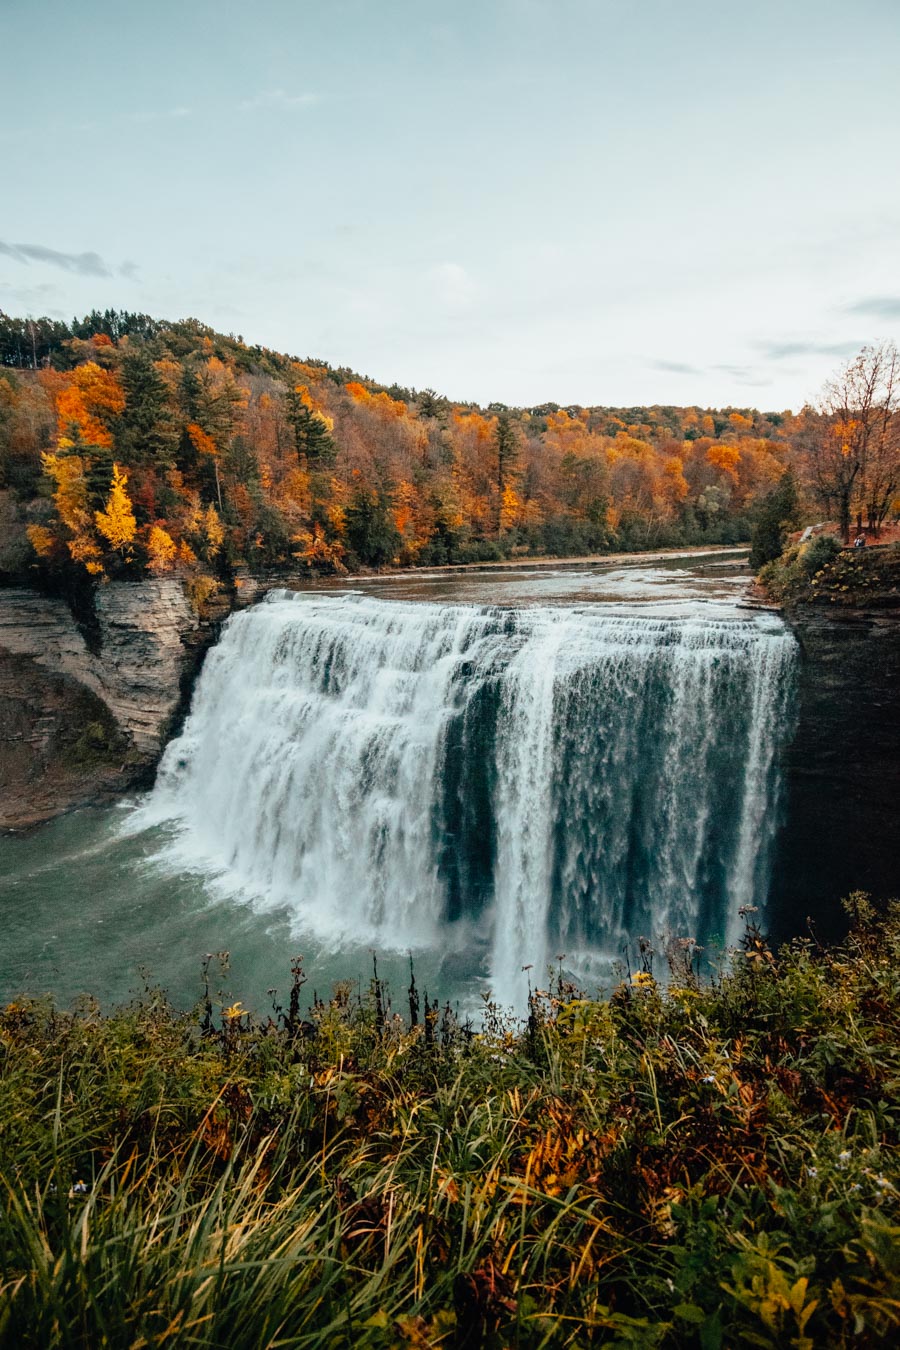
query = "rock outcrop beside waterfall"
{"x": 842, "y": 768}
{"x": 82, "y": 721}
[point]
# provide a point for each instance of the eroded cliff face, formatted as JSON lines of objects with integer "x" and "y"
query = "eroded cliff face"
{"x": 80, "y": 725}
{"x": 842, "y": 770}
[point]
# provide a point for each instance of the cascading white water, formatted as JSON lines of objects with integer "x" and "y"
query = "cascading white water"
{"x": 547, "y": 779}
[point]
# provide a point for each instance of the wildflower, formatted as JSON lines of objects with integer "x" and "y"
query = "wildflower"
{"x": 642, "y": 979}
{"x": 844, "y": 1158}
{"x": 233, "y": 1012}
{"x": 856, "y": 1186}
{"x": 812, "y": 1171}
{"x": 78, "y": 1188}
{"x": 708, "y": 1078}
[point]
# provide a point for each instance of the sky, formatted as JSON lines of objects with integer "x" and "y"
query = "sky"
{"x": 586, "y": 201}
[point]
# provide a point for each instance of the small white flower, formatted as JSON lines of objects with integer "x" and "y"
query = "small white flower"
{"x": 844, "y": 1158}
{"x": 856, "y": 1186}
{"x": 812, "y": 1171}
{"x": 708, "y": 1078}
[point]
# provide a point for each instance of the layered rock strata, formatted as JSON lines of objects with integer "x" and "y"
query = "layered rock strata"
{"x": 78, "y": 725}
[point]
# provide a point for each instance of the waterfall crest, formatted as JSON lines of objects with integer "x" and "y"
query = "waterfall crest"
{"x": 543, "y": 780}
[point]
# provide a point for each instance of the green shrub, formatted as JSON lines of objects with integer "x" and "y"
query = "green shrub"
{"x": 818, "y": 552}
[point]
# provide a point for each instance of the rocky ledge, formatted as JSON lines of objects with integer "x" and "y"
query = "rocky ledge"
{"x": 81, "y": 723}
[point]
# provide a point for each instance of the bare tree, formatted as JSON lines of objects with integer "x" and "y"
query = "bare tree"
{"x": 881, "y": 470}
{"x": 852, "y": 440}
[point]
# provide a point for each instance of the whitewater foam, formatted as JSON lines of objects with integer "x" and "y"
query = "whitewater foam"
{"x": 411, "y": 775}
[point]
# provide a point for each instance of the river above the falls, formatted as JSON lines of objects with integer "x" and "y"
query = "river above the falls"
{"x": 490, "y": 769}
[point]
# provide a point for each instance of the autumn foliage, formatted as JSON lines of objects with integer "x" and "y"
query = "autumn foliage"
{"x": 128, "y": 445}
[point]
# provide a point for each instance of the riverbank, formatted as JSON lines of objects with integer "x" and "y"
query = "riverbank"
{"x": 568, "y": 563}
{"x": 711, "y": 1164}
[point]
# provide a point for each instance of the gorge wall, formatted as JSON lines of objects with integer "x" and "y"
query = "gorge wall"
{"x": 85, "y": 718}
{"x": 842, "y": 768}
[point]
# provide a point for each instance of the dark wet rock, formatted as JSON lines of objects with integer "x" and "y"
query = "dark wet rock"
{"x": 842, "y": 770}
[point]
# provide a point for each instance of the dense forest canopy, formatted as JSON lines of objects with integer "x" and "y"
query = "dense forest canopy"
{"x": 129, "y": 444}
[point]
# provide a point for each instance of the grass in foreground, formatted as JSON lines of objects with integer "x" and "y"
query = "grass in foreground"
{"x": 690, "y": 1165}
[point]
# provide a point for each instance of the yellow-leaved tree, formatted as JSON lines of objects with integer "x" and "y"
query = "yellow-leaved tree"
{"x": 117, "y": 523}
{"x": 71, "y": 500}
{"x": 161, "y": 549}
{"x": 213, "y": 531}
{"x": 511, "y": 509}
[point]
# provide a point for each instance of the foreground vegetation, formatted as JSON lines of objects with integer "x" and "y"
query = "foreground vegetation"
{"x": 703, "y": 1163}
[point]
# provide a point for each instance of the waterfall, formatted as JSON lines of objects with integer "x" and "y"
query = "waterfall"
{"x": 543, "y": 780}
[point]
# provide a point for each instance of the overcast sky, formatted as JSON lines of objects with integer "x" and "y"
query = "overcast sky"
{"x": 590, "y": 201}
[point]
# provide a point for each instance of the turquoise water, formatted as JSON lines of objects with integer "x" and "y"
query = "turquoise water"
{"x": 87, "y": 910}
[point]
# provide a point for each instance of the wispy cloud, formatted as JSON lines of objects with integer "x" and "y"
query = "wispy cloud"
{"x": 787, "y": 351}
{"x": 28, "y": 296}
{"x": 876, "y": 307}
{"x": 85, "y": 264}
{"x": 277, "y": 98}
{"x": 748, "y": 375}
{"x": 677, "y": 367}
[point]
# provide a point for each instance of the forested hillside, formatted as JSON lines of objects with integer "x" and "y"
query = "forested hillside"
{"x": 129, "y": 444}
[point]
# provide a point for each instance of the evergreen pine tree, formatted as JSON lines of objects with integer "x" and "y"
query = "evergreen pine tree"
{"x": 507, "y": 449}
{"x": 370, "y": 528}
{"x": 312, "y": 437}
{"x": 777, "y": 513}
{"x": 146, "y": 433}
{"x": 189, "y": 393}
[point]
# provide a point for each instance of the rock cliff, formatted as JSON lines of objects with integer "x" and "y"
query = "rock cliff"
{"x": 80, "y": 723}
{"x": 842, "y": 770}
